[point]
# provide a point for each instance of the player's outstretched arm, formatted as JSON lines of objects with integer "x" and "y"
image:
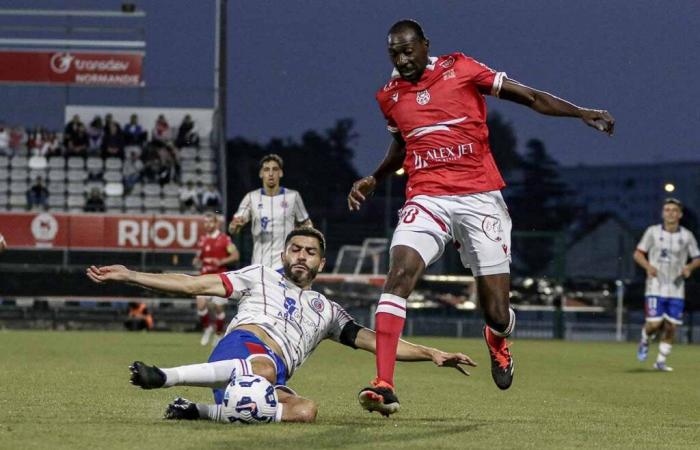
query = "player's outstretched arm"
{"x": 176, "y": 283}
{"x": 393, "y": 160}
{"x": 408, "y": 351}
{"x": 548, "y": 104}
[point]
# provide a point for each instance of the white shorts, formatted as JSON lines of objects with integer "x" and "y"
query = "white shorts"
{"x": 220, "y": 301}
{"x": 479, "y": 225}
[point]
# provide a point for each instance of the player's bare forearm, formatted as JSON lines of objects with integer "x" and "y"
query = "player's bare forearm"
{"x": 550, "y": 105}
{"x": 178, "y": 283}
{"x": 693, "y": 266}
{"x": 406, "y": 351}
{"x": 393, "y": 160}
{"x": 641, "y": 259}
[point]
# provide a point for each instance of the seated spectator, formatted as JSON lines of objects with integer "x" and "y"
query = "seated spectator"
{"x": 52, "y": 146}
{"x": 109, "y": 120}
{"x": 211, "y": 199}
{"x": 134, "y": 133}
{"x": 139, "y": 317}
{"x": 72, "y": 128}
{"x": 17, "y": 138}
{"x": 113, "y": 142}
{"x": 35, "y": 141}
{"x": 167, "y": 172}
{"x": 5, "y": 141}
{"x": 186, "y": 135}
{"x": 95, "y": 133}
{"x": 38, "y": 195}
{"x": 77, "y": 144}
{"x": 161, "y": 134}
{"x": 131, "y": 171}
{"x": 151, "y": 170}
{"x": 189, "y": 200}
{"x": 95, "y": 202}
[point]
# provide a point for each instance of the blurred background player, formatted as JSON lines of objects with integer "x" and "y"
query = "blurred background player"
{"x": 274, "y": 211}
{"x": 3, "y": 243}
{"x": 663, "y": 253}
{"x": 215, "y": 252}
{"x": 139, "y": 317}
{"x": 436, "y": 113}
{"x": 280, "y": 322}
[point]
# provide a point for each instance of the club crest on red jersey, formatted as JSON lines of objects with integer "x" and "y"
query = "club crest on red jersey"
{"x": 423, "y": 97}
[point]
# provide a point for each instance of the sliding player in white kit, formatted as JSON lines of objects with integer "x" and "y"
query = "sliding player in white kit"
{"x": 274, "y": 211}
{"x": 280, "y": 322}
{"x": 663, "y": 253}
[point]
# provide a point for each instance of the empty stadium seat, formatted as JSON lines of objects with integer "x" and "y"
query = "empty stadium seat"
{"x": 114, "y": 202}
{"x": 19, "y": 174}
{"x": 4, "y": 161}
{"x": 112, "y": 176}
{"x": 114, "y": 210}
{"x": 151, "y": 203}
{"x": 188, "y": 153}
{"x": 113, "y": 164}
{"x": 206, "y": 166}
{"x": 20, "y": 162}
{"x": 171, "y": 190}
{"x": 38, "y": 163}
{"x": 19, "y": 187}
{"x": 4, "y": 173}
{"x": 132, "y": 202}
{"x": 114, "y": 189}
{"x": 136, "y": 189}
{"x": 94, "y": 163}
{"x": 94, "y": 184}
{"x": 76, "y": 201}
{"x": 171, "y": 203}
{"x": 38, "y": 173}
{"x": 205, "y": 154}
{"x": 57, "y": 187}
{"x": 77, "y": 175}
{"x": 57, "y": 162}
{"x": 76, "y": 162}
{"x": 18, "y": 201}
{"x": 4, "y": 186}
{"x": 76, "y": 188}
{"x": 57, "y": 201}
{"x": 206, "y": 178}
{"x": 188, "y": 176}
{"x": 188, "y": 165}
{"x": 151, "y": 189}
{"x": 57, "y": 175}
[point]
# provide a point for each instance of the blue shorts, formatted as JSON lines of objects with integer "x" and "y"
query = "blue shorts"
{"x": 659, "y": 308}
{"x": 241, "y": 344}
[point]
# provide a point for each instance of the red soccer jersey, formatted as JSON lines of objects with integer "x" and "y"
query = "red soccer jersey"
{"x": 442, "y": 119}
{"x": 217, "y": 245}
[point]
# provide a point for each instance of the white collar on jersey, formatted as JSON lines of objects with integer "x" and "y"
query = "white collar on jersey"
{"x": 431, "y": 66}
{"x": 215, "y": 234}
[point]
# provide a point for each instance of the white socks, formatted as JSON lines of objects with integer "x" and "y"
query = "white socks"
{"x": 215, "y": 374}
{"x": 645, "y": 337}
{"x": 664, "y": 351}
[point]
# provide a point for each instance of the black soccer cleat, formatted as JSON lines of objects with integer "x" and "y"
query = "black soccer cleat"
{"x": 181, "y": 409}
{"x": 380, "y": 398}
{"x": 502, "y": 365}
{"x": 147, "y": 377}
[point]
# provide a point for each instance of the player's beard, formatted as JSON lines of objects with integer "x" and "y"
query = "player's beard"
{"x": 300, "y": 278}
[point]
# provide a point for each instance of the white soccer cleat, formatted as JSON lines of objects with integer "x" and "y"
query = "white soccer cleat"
{"x": 206, "y": 335}
{"x": 661, "y": 366}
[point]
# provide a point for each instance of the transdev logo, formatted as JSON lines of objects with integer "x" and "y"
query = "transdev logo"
{"x": 60, "y": 62}
{"x": 44, "y": 227}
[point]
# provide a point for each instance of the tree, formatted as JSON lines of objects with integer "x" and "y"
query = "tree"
{"x": 503, "y": 143}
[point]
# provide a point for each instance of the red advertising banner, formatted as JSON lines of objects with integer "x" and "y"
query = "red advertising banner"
{"x": 100, "y": 232}
{"x": 71, "y": 67}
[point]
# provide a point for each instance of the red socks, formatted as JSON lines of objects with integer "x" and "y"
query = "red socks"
{"x": 389, "y": 319}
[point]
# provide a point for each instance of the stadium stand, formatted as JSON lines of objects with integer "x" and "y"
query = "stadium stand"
{"x": 153, "y": 183}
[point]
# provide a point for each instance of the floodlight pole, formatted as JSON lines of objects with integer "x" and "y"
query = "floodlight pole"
{"x": 220, "y": 62}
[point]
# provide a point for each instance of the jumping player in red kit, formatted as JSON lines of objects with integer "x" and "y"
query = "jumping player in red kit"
{"x": 436, "y": 113}
{"x": 216, "y": 251}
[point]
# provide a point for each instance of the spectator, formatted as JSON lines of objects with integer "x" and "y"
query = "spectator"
{"x": 38, "y": 195}
{"x": 52, "y": 146}
{"x": 109, "y": 120}
{"x": 167, "y": 172}
{"x": 71, "y": 128}
{"x": 161, "y": 134}
{"x": 113, "y": 142}
{"x": 139, "y": 317}
{"x": 95, "y": 202}
{"x": 134, "y": 133}
{"x": 95, "y": 134}
{"x": 131, "y": 171}
{"x": 211, "y": 199}
{"x": 5, "y": 141}
{"x": 77, "y": 144}
{"x": 186, "y": 135}
{"x": 151, "y": 170}
{"x": 189, "y": 200}
{"x": 17, "y": 138}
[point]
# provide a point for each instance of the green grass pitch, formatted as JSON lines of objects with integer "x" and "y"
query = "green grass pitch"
{"x": 70, "y": 390}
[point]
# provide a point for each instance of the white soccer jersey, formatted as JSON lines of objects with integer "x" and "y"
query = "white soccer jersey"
{"x": 297, "y": 320}
{"x": 272, "y": 217}
{"x": 668, "y": 252}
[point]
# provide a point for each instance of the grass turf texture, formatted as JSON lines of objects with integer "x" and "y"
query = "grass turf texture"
{"x": 71, "y": 390}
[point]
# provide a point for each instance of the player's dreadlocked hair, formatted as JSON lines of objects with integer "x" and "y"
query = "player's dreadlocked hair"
{"x": 311, "y": 232}
{"x": 272, "y": 157}
{"x": 408, "y": 24}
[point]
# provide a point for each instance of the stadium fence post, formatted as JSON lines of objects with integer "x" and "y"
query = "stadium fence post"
{"x": 619, "y": 309}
